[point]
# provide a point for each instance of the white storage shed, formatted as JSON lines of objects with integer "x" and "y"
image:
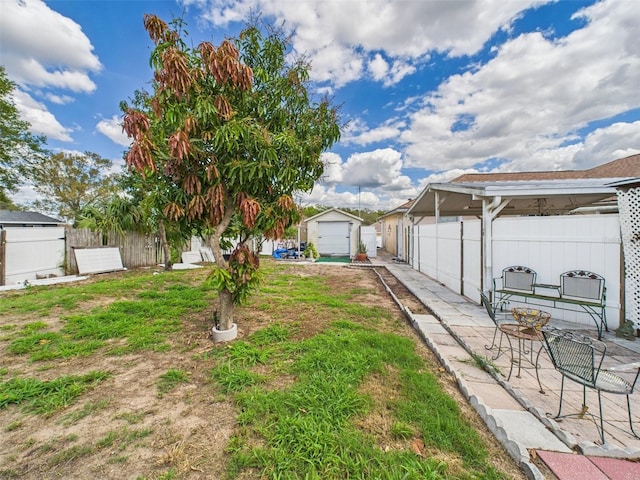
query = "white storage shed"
{"x": 334, "y": 232}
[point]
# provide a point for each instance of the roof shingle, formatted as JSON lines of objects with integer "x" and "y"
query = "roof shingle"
{"x": 17, "y": 217}
{"x": 622, "y": 168}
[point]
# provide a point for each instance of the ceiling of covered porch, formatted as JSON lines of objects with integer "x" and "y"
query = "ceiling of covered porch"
{"x": 555, "y": 197}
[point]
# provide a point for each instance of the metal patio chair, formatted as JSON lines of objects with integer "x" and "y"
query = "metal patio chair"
{"x": 520, "y": 332}
{"x": 499, "y": 319}
{"x": 579, "y": 359}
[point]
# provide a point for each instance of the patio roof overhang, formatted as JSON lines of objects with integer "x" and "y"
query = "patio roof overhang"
{"x": 556, "y": 197}
{"x": 488, "y": 200}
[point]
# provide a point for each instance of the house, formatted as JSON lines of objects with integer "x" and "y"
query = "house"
{"x": 17, "y": 218}
{"x": 395, "y": 225}
{"x": 334, "y": 232}
{"x": 524, "y": 218}
{"x": 32, "y": 245}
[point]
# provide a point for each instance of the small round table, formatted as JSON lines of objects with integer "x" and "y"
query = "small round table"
{"x": 530, "y": 323}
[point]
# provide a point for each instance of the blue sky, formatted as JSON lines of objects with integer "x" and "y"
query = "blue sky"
{"x": 429, "y": 89}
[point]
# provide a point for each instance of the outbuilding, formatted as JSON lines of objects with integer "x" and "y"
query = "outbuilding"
{"x": 32, "y": 245}
{"x": 334, "y": 232}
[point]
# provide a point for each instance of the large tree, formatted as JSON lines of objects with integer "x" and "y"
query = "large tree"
{"x": 18, "y": 147}
{"x": 68, "y": 182}
{"x": 231, "y": 134}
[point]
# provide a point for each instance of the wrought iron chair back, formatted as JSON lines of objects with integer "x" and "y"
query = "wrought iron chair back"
{"x": 580, "y": 358}
{"x": 491, "y": 311}
{"x": 518, "y": 278}
{"x": 486, "y": 303}
{"x": 575, "y": 356}
{"x": 582, "y": 285}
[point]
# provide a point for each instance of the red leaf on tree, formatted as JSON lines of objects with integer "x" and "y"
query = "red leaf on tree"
{"x": 179, "y": 144}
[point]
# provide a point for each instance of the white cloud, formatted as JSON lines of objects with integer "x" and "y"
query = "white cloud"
{"x": 322, "y": 195}
{"x": 358, "y": 133}
{"x": 25, "y": 195}
{"x": 329, "y": 32}
{"x": 529, "y": 102}
{"x": 373, "y": 169}
{"x": 40, "y": 47}
{"x": 399, "y": 70}
{"x": 376, "y": 174}
{"x": 336, "y": 64}
{"x": 59, "y": 99}
{"x": 615, "y": 141}
{"x": 41, "y": 120}
{"x": 378, "y": 67}
{"x": 43, "y": 49}
{"x": 112, "y": 129}
{"x": 332, "y": 168}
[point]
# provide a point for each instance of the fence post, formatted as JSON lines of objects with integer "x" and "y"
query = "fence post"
{"x": 3, "y": 255}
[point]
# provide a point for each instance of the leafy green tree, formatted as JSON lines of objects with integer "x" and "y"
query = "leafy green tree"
{"x": 368, "y": 216}
{"x": 18, "y": 147}
{"x": 230, "y": 136}
{"x": 125, "y": 213}
{"x": 117, "y": 215}
{"x": 69, "y": 182}
{"x": 6, "y": 203}
{"x": 312, "y": 210}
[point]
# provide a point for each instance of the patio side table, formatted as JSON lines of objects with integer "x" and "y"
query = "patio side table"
{"x": 531, "y": 322}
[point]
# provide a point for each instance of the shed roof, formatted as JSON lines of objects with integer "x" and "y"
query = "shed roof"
{"x": 19, "y": 218}
{"x": 334, "y": 209}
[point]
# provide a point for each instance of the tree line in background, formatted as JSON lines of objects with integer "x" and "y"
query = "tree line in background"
{"x": 65, "y": 182}
{"x": 368, "y": 216}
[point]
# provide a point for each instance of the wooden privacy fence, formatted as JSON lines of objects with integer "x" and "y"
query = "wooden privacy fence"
{"x": 136, "y": 249}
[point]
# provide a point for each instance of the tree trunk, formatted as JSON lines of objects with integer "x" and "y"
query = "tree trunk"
{"x": 226, "y": 310}
{"x": 225, "y": 316}
{"x": 166, "y": 251}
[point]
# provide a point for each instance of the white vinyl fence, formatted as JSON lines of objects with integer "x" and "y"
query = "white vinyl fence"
{"x": 369, "y": 237}
{"x": 32, "y": 252}
{"x": 451, "y": 254}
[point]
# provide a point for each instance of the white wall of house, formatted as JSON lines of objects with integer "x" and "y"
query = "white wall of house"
{"x": 33, "y": 252}
{"x": 451, "y": 254}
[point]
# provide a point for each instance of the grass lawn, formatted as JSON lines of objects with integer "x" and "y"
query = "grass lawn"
{"x": 115, "y": 377}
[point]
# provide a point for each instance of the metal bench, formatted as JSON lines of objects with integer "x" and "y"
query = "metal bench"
{"x": 579, "y": 290}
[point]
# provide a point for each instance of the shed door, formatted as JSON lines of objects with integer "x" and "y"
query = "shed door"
{"x": 333, "y": 238}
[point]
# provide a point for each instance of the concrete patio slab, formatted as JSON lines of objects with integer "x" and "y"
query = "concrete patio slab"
{"x": 569, "y": 466}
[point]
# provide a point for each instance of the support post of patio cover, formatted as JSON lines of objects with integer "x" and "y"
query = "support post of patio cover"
{"x": 491, "y": 208}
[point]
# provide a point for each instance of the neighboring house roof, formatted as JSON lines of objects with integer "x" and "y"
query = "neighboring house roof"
{"x": 333, "y": 209}
{"x": 399, "y": 209}
{"x": 19, "y": 218}
{"x": 621, "y": 168}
